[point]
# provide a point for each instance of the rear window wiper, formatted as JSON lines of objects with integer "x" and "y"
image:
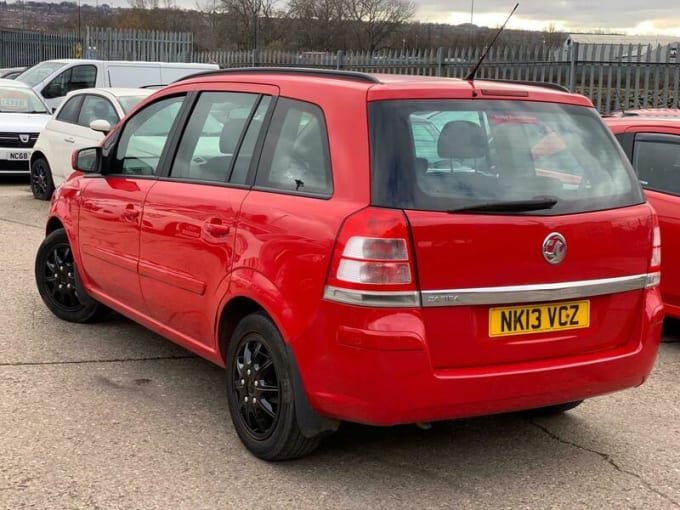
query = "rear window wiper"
{"x": 510, "y": 206}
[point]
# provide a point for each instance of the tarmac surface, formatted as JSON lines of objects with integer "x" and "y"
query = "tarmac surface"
{"x": 112, "y": 416}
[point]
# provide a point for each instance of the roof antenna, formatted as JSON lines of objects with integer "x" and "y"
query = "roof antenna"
{"x": 471, "y": 76}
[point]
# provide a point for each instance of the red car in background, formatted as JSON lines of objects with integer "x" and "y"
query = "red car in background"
{"x": 651, "y": 140}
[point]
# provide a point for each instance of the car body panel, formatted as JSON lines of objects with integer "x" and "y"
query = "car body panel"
{"x": 447, "y": 246}
{"x": 108, "y": 236}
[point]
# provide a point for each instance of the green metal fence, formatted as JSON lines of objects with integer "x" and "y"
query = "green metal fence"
{"x": 28, "y": 48}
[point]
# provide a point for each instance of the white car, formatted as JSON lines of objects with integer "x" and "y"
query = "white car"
{"x": 82, "y": 120}
{"x": 23, "y": 115}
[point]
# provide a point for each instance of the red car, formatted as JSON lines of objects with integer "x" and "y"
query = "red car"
{"x": 377, "y": 249}
{"x": 652, "y": 143}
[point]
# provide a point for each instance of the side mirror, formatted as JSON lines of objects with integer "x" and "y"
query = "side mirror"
{"x": 53, "y": 90}
{"x": 87, "y": 160}
{"x": 100, "y": 125}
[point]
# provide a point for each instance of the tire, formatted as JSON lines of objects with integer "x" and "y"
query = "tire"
{"x": 42, "y": 184}
{"x": 553, "y": 410}
{"x": 260, "y": 392}
{"x": 59, "y": 284}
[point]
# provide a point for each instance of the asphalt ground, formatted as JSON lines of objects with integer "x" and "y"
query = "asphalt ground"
{"x": 113, "y": 416}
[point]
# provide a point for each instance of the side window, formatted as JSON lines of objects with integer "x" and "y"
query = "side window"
{"x": 658, "y": 164}
{"x": 239, "y": 174}
{"x": 144, "y": 137}
{"x": 212, "y": 135}
{"x": 82, "y": 77}
{"x": 296, "y": 150}
{"x": 96, "y": 108}
{"x": 75, "y": 78}
{"x": 70, "y": 111}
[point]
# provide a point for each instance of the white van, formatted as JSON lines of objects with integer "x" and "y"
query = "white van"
{"x": 53, "y": 79}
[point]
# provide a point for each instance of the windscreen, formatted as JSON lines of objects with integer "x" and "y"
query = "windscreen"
{"x": 445, "y": 155}
{"x": 20, "y": 100}
{"x": 39, "y": 72}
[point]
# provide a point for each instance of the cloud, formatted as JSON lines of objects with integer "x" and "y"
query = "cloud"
{"x": 568, "y": 15}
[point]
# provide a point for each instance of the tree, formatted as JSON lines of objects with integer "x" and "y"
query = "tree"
{"x": 319, "y": 24}
{"x": 375, "y": 20}
{"x": 250, "y": 25}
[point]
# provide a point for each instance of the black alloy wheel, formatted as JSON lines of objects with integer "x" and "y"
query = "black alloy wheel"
{"x": 42, "y": 185}
{"x": 60, "y": 280}
{"x": 260, "y": 391}
{"x": 256, "y": 385}
{"x": 56, "y": 276}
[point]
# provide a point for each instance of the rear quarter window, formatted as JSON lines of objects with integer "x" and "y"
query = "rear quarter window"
{"x": 296, "y": 157}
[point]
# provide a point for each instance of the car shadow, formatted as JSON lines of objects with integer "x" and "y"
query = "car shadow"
{"x": 15, "y": 179}
{"x": 671, "y": 331}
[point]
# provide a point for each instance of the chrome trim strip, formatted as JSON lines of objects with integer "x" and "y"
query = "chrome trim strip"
{"x": 653, "y": 279}
{"x": 367, "y": 298}
{"x": 536, "y": 293}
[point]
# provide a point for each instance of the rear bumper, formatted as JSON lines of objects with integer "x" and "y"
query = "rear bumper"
{"x": 387, "y": 378}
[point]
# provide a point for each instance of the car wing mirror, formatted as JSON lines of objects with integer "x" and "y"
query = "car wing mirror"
{"x": 87, "y": 160}
{"x": 53, "y": 90}
{"x": 100, "y": 125}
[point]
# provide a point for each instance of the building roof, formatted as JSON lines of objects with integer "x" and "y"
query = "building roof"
{"x": 654, "y": 40}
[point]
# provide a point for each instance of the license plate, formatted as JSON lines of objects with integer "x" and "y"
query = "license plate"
{"x": 539, "y": 318}
{"x": 16, "y": 156}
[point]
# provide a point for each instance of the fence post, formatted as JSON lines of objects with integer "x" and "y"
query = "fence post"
{"x": 254, "y": 57}
{"x": 573, "y": 58}
{"x": 340, "y": 60}
{"x": 440, "y": 60}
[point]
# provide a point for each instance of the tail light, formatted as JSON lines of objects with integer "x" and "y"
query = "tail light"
{"x": 654, "y": 276}
{"x": 372, "y": 263}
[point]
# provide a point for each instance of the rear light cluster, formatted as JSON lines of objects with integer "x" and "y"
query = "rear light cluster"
{"x": 654, "y": 276}
{"x": 373, "y": 261}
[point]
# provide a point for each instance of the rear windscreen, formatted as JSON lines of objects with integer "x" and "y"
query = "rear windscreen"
{"x": 448, "y": 154}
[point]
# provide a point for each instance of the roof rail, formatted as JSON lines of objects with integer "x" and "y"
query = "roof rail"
{"x": 543, "y": 84}
{"x": 323, "y": 73}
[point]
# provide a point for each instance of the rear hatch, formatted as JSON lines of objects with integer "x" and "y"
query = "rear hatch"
{"x": 517, "y": 210}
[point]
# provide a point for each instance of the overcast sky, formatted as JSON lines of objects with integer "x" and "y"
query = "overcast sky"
{"x": 660, "y": 17}
{"x": 657, "y": 17}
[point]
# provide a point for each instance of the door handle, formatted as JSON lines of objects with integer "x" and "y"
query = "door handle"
{"x": 130, "y": 213}
{"x": 70, "y": 139}
{"x": 216, "y": 228}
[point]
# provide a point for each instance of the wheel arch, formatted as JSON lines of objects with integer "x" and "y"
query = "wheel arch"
{"x": 239, "y": 306}
{"x": 37, "y": 153}
{"x": 53, "y": 224}
{"x": 233, "y": 312}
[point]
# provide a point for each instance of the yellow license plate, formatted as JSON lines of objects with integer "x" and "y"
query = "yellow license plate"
{"x": 539, "y": 318}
